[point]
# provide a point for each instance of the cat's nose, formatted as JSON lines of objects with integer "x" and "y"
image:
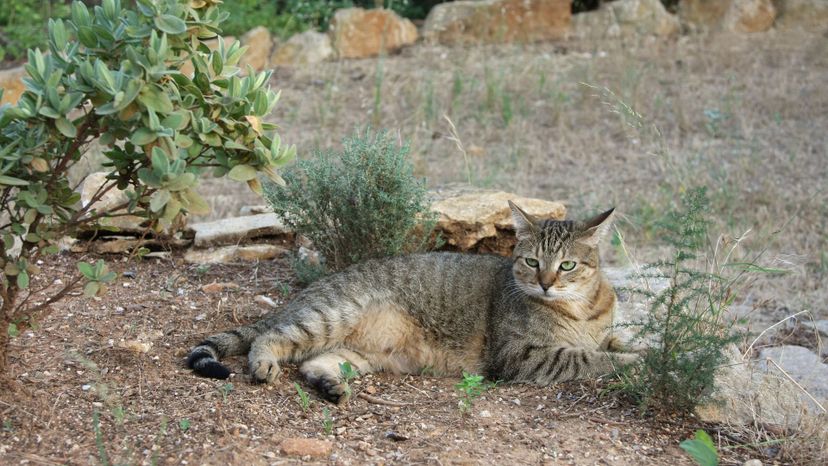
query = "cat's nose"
{"x": 545, "y": 286}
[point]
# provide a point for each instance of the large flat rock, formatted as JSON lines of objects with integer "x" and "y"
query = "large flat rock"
{"x": 482, "y": 221}
{"x": 497, "y": 21}
{"x": 237, "y": 229}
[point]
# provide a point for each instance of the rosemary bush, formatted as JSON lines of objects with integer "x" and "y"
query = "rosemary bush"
{"x": 359, "y": 203}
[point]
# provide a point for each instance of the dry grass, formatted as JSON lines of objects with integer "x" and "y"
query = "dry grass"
{"x": 743, "y": 115}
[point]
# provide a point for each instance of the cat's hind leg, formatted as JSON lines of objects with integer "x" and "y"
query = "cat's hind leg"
{"x": 324, "y": 372}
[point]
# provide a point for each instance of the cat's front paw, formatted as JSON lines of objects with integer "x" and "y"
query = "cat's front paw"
{"x": 624, "y": 359}
{"x": 264, "y": 370}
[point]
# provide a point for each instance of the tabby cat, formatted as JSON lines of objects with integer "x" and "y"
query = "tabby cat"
{"x": 541, "y": 317}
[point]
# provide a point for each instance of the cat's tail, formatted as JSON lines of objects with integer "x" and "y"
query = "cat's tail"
{"x": 204, "y": 358}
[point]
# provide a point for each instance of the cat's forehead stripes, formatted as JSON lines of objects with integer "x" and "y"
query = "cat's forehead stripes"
{"x": 554, "y": 234}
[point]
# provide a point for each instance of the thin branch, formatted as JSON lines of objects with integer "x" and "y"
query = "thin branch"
{"x": 55, "y": 297}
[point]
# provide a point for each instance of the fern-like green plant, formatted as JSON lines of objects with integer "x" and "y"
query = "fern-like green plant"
{"x": 686, "y": 324}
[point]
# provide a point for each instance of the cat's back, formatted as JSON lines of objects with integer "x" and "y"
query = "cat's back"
{"x": 426, "y": 274}
{"x": 439, "y": 286}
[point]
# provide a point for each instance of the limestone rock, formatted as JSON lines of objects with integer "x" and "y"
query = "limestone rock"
{"x": 11, "y": 81}
{"x": 497, "y": 21}
{"x": 703, "y": 14}
{"x": 306, "y": 48}
{"x": 626, "y": 18}
{"x": 236, "y": 229}
{"x": 746, "y": 392}
{"x": 482, "y": 220}
{"x": 749, "y": 16}
{"x": 808, "y": 15}
{"x": 359, "y": 33}
{"x": 631, "y": 308}
{"x": 230, "y": 254}
{"x": 821, "y": 326}
{"x": 259, "y": 43}
{"x": 805, "y": 366}
{"x": 121, "y": 244}
{"x": 306, "y": 447}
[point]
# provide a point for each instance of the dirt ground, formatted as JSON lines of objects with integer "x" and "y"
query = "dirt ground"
{"x": 120, "y": 359}
{"x": 103, "y": 381}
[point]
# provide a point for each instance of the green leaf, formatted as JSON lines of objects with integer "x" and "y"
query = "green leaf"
{"x": 155, "y": 99}
{"x": 13, "y": 331}
{"x": 66, "y": 127}
{"x": 143, "y": 136}
{"x": 91, "y": 289}
{"x": 701, "y": 449}
{"x": 181, "y": 182}
{"x": 160, "y": 161}
{"x": 108, "y": 277}
{"x": 196, "y": 204}
{"x": 87, "y": 270}
{"x": 170, "y": 24}
{"x": 159, "y": 199}
{"x": 49, "y": 112}
{"x": 242, "y": 173}
{"x": 23, "y": 279}
{"x": 100, "y": 267}
{"x": 176, "y": 120}
{"x": 6, "y": 180}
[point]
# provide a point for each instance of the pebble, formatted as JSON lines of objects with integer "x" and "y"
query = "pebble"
{"x": 218, "y": 287}
{"x": 485, "y": 413}
{"x": 297, "y": 446}
{"x": 516, "y": 401}
{"x": 753, "y": 462}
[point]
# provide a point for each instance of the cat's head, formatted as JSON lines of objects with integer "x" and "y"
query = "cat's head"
{"x": 557, "y": 260}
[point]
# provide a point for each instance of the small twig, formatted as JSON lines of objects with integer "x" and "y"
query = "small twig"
{"x": 797, "y": 384}
{"x": 599, "y": 420}
{"x": 380, "y": 401}
{"x": 415, "y": 388}
{"x": 580, "y": 413}
{"x": 18, "y": 408}
{"x": 51, "y": 417}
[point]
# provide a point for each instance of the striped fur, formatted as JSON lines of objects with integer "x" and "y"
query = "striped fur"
{"x": 523, "y": 319}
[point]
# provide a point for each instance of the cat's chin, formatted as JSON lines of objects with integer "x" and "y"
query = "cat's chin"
{"x": 549, "y": 295}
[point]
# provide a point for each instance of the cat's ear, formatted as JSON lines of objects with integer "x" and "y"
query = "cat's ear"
{"x": 595, "y": 228}
{"x": 525, "y": 224}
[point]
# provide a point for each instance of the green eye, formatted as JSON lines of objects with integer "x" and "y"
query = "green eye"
{"x": 532, "y": 262}
{"x": 567, "y": 265}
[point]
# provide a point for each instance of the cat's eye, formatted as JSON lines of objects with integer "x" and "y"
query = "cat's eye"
{"x": 566, "y": 266}
{"x": 532, "y": 262}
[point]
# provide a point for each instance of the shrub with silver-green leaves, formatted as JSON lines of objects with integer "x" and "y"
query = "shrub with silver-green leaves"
{"x": 359, "y": 203}
{"x": 115, "y": 75}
